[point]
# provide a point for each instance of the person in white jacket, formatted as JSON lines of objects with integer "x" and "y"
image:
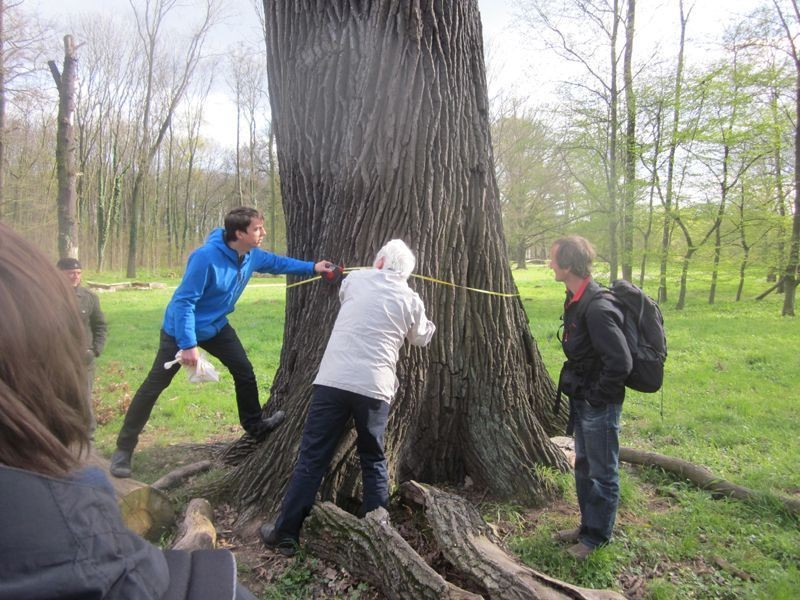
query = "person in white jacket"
{"x": 357, "y": 378}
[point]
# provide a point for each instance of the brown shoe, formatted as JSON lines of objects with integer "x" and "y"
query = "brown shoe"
{"x": 580, "y": 551}
{"x": 567, "y": 535}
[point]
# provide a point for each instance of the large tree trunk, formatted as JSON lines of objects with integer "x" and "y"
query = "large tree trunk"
{"x": 382, "y": 131}
{"x": 66, "y": 151}
{"x": 2, "y": 104}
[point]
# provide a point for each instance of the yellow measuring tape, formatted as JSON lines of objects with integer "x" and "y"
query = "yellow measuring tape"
{"x": 424, "y": 277}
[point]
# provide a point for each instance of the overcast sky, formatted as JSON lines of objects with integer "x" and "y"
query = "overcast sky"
{"x": 516, "y": 63}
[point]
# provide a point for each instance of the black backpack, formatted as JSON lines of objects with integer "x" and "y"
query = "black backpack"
{"x": 644, "y": 332}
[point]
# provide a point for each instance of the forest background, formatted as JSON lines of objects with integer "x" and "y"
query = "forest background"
{"x": 664, "y": 143}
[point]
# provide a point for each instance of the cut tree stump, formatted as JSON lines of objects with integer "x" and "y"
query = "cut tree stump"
{"x": 197, "y": 530}
{"x": 145, "y": 510}
{"x": 372, "y": 550}
{"x": 470, "y": 545}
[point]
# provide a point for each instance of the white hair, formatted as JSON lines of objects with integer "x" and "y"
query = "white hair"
{"x": 397, "y": 257}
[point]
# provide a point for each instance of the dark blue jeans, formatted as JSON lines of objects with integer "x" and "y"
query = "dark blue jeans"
{"x": 597, "y": 469}
{"x": 328, "y": 414}
{"x": 228, "y": 349}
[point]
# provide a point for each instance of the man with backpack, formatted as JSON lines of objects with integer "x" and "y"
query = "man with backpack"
{"x": 593, "y": 378}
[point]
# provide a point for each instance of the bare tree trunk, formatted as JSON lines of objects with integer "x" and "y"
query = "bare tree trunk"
{"x": 631, "y": 153}
{"x": 381, "y": 121}
{"x": 2, "y": 104}
{"x": 790, "y": 277}
{"x": 673, "y": 144}
{"x": 66, "y": 151}
{"x": 149, "y": 26}
{"x": 612, "y": 158}
{"x": 712, "y": 292}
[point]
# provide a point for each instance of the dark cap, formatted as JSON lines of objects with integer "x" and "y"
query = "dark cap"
{"x": 68, "y": 264}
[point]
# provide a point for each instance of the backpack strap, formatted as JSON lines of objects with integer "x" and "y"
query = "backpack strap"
{"x": 580, "y": 315}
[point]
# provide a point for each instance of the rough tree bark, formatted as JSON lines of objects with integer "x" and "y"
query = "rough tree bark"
{"x": 66, "y": 151}
{"x": 380, "y": 114}
{"x": 2, "y": 104}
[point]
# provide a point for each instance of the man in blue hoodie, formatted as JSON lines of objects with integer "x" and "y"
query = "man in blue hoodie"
{"x": 197, "y": 317}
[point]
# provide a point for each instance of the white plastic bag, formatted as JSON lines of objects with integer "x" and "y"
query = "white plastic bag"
{"x": 202, "y": 372}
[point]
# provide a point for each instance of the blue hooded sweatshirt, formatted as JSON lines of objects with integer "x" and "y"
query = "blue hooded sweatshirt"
{"x": 214, "y": 279}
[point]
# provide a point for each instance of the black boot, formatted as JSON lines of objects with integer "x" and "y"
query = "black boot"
{"x": 265, "y": 425}
{"x": 272, "y": 422}
{"x": 121, "y": 463}
{"x": 274, "y": 541}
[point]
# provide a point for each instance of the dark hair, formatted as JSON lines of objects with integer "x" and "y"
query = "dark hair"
{"x": 44, "y": 412}
{"x": 576, "y": 254}
{"x": 68, "y": 264}
{"x": 239, "y": 220}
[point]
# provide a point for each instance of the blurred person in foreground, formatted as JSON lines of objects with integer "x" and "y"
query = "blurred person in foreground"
{"x": 62, "y": 533}
{"x": 94, "y": 324}
{"x": 197, "y": 317}
{"x": 357, "y": 379}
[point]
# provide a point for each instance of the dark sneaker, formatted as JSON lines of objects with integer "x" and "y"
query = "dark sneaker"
{"x": 121, "y": 463}
{"x": 272, "y": 422}
{"x": 272, "y": 540}
{"x": 580, "y": 551}
{"x": 260, "y": 431}
{"x": 567, "y": 535}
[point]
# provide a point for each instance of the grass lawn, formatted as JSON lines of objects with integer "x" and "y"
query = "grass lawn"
{"x": 730, "y": 402}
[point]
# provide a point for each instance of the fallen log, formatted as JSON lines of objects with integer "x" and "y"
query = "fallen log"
{"x": 197, "y": 530}
{"x": 372, "y": 550}
{"x": 699, "y": 475}
{"x": 177, "y": 476}
{"x": 470, "y": 545}
{"x": 145, "y": 510}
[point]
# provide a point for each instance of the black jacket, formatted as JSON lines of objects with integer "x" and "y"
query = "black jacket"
{"x": 598, "y": 359}
{"x": 65, "y": 539}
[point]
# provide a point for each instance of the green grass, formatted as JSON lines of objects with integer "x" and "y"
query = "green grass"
{"x": 185, "y": 412}
{"x": 729, "y": 402}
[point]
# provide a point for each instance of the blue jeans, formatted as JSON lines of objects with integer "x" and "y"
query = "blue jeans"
{"x": 228, "y": 349}
{"x": 597, "y": 469}
{"x": 328, "y": 414}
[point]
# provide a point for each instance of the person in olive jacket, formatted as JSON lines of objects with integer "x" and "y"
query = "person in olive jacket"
{"x": 94, "y": 323}
{"x": 593, "y": 377}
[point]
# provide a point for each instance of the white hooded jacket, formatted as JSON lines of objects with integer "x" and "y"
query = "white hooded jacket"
{"x": 378, "y": 313}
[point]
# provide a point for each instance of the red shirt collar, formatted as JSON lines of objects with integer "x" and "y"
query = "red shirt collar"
{"x": 577, "y": 295}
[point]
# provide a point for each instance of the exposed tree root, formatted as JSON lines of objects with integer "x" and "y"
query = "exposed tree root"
{"x": 473, "y": 549}
{"x": 177, "y": 476}
{"x": 374, "y": 551}
{"x": 699, "y": 475}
